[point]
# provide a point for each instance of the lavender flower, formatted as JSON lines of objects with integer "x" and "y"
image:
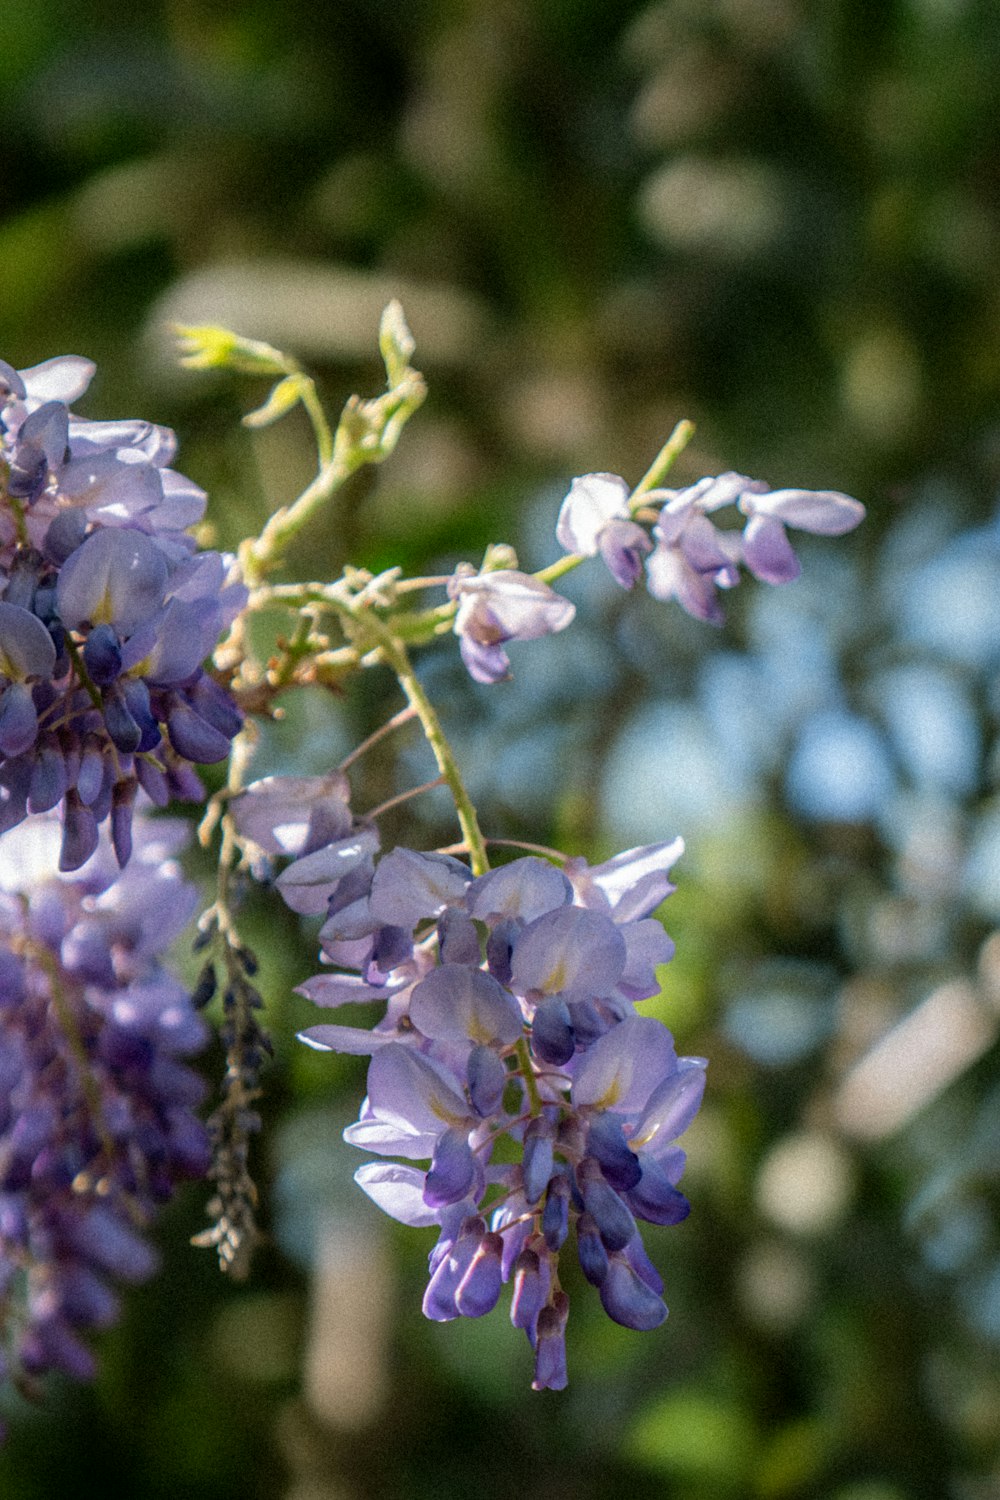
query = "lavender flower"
{"x": 693, "y": 558}
{"x": 107, "y": 615}
{"x": 509, "y": 1013}
{"x": 595, "y": 518}
{"x": 689, "y": 558}
{"x": 96, "y": 1103}
{"x": 497, "y": 607}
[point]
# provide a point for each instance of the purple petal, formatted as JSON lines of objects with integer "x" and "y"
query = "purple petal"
{"x": 615, "y": 1223}
{"x": 294, "y": 814}
{"x": 18, "y": 719}
{"x": 484, "y": 663}
{"x": 631, "y": 885}
{"x": 767, "y": 551}
{"x": 593, "y": 500}
{"x": 571, "y": 951}
{"x": 646, "y": 945}
{"x": 64, "y": 378}
{"x": 526, "y": 888}
{"x": 823, "y": 512}
{"x": 508, "y": 605}
{"x": 622, "y": 1069}
{"x": 357, "y": 1041}
{"x": 591, "y": 1250}
{"x": 479, "y": 1289}
{"x": 623, "y": 545}
{"x": 486, "y": 1079}
{"x": 552, "y": 1038}
{"x": 407, "y": 1089}
{"x": 117, "y": 577}
{"x": 531, "y": 1288}
{"x": 26, "y": 648}
{"x": 670, "y": 576}
{"x": 671, "y": 1108}
{"x": 655, "y": 1198}
{"x": 453, "y": 1168}
{"x": 193, "y": 737}
{"x": 390, "y": 1140}
{"x": 306, "y": 885}
{"x": 397, "y": 1191}
{"x": 409, "y": 886}
{"x": 465, "y": 1005}
{"x": 628, "y": 1300}
{"x": 550, "y": 1346}
{"x": 333, "y": 990}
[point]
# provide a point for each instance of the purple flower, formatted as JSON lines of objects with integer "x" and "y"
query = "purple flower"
{"x": 525, "y": 973}
{"x": 96, "y": 1099}
{"x": 494, "y": 608}
{"x": 595, "y": 517}
{"x": 107, "y": 615}
{"x": 767, "y": 551}
{"x": 693, "y": 558}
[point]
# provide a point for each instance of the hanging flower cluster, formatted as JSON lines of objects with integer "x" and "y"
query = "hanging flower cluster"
{"x": 510, "y": 1023}
{"x": 107, "y": 613}
{"x": 97, "y": 1121}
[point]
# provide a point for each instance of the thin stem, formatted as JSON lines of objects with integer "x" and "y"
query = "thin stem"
{"x": 528, "y": 1074}
{"x": 542, "y": 849}
{"x": 403, "y": 717}
{"x": 320, "y": 426}
{"x": 664, "y": 460}
{"x": 262, "y": 553}
{"x": 443, "y": 755}
{"x": 414, "y": 791}
{"x": 412, "y": 585}
{"x": 375, "y": 632}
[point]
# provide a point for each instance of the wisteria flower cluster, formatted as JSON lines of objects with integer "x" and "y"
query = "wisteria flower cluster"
{"x": 97, "y": 1101}
{"x": 518, "y": 1103}
{"x": 107, "y": 613}
{"x": 510, "y": 1017}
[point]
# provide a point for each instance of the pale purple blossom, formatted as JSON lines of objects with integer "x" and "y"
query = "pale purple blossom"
{"x": 97, "y": 1122}
{"x": 595, "y": 518}
{"x": 693, "y": 559}
{"x": 497, "y": 607}
{"x": 526, "y": 967}
{"x": 107, "y": 614}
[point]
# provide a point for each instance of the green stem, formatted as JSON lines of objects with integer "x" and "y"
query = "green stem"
{"x": 663, "y": 462}
{"x": 320, "y": 426}
{"x": 259, "y": 554}
{"x": 434, "y": 734}
{"x": 528, "y": 1074}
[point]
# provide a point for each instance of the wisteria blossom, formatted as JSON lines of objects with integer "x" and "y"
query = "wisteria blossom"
{"x": 97, "y": 1122}
{"x": 108, "y": 613}
{"x": 510, "y": 1013}
{"x": 494, "y": 608}
{"x": 687, "y": 557}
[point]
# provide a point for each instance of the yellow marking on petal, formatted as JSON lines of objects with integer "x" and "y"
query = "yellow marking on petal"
{"x": 104, "y": 613}
{"x": 438, "y": 1108}
{"x": 556, "y": 980}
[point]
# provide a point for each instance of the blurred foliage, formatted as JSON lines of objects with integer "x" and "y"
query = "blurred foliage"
{"x": 777, "y": 217}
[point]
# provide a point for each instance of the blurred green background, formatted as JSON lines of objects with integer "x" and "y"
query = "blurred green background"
{"x": 779, "y": 218}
